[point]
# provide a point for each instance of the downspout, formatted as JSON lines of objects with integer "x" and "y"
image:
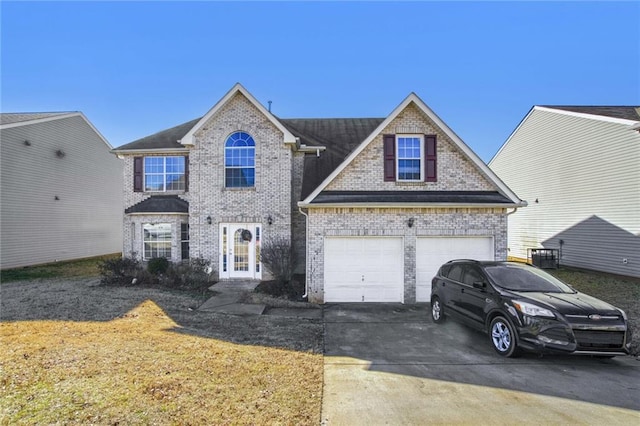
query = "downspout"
{"x": 306, "y": 253}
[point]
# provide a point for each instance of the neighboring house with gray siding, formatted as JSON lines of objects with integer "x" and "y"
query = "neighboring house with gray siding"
{"x": 579, "y": 169}
{"x": 61, "y": 193}
{"x": 373, "y": 206}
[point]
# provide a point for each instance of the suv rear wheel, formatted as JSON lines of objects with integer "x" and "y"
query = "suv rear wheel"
{"x": 437, "y": 311}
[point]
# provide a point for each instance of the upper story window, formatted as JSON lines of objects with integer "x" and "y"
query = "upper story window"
{"x": 410, "y": 158}
{"x": 160, "y": 174}
{"x": 239, "y": 161}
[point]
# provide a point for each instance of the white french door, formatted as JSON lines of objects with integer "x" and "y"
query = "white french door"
{"x": 240, "y": 250}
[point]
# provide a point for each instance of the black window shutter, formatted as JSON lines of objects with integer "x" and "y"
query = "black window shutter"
{"x": 389, "y": 142}
{"x": 137, "y": 174}
{"x": 186, "y": 173}
{"x": 430, "y": 158}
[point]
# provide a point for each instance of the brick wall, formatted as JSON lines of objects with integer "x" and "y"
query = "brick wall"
{"x": 271, "y": 195}
{"x": 455, "y": 172}
{"x": 393, "y": 222}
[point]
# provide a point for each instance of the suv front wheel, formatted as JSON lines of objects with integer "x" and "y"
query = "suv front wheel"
{"x": 503, "y": 337}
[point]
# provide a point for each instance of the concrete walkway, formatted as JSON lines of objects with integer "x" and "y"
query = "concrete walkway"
{"x": 228, "y": 300}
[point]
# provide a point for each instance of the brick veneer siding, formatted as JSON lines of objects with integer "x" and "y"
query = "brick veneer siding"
{"x": 132, "y": 232}
{"x": 298, "y": 221}
{"x": 454, "y": 171}
{"x": 271, "y": 195}
{"x": 325, "y": 222}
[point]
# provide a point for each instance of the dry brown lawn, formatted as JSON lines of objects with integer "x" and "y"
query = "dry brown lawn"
{"x": 76, "y": 353}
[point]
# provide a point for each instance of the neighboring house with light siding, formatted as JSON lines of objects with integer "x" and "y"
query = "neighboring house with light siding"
{"x": 578, "y": 167}
{"x": 373, "y": 206}
{"x": 61, "y": 196}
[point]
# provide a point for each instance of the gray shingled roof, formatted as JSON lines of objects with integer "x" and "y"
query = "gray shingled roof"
{"x": 18, "y": 117}
{"x": 164, "y": 139}
{"x": 339, "y": 135}
{"x": 445, "y": 197}
{"x": 625, "y": 112}
{"x": 160, "y": 204}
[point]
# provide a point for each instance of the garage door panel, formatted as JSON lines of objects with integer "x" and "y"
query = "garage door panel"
{"x": 369, "y": 269}
{"x": 432, "y": 252}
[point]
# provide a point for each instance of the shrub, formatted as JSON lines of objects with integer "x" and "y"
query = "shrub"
{"x": 192, "y": 274}
{"x": 278, "y": 257}
{"x": 158, "y": 265}
{"x": 121, "y": 271}
{"x": 291, "y": 290}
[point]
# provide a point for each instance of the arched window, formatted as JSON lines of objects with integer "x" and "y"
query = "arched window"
{"x": 239, "y": 161}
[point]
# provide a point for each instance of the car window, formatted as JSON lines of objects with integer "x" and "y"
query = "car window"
{"x": 455, "y": 273}
{"x": 526, "y": 278}
{"x": 472, "y": 274}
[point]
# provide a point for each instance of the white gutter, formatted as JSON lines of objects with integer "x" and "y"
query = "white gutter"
{"x": 306, "y": 254}
{"x": 410, "y": 205}
{"x": 150, "y": 151}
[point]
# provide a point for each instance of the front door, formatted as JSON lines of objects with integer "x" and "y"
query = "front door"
{"x": 240, "y": 250}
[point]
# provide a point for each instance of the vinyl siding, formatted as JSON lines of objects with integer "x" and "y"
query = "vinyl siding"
{"x": 85, "y": 221}
{"x": 585, "y": 175}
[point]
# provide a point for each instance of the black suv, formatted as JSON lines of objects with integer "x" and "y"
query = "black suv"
{"x": 523, "y": 307}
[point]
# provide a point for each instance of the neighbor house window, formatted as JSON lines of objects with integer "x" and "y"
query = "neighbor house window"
{"x": 184, "y": 240}
{"x": 156, "y": 240}
{"x": 410, "y": 158}
{"x": 239, "y": 161}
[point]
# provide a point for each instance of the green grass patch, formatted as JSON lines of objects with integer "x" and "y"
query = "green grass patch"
{"x": 68, "y": 269}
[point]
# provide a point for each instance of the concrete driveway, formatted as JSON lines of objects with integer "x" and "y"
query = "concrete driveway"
{"x": 390, "y": 364}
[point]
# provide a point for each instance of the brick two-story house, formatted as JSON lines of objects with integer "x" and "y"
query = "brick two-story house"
{"x": 372, "y": 205}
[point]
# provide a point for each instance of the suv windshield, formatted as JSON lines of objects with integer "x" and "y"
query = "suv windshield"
{"x": 525, "y": 278}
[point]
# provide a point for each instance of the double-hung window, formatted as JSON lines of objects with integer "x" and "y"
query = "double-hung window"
{"x": 410, "y": 158}
{"x": 156, "y": 240}
{"x": 163, "y": 174}
{"x": 240, "y": 161}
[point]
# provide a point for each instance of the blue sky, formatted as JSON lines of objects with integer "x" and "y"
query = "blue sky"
{"x": 135, "y": 68}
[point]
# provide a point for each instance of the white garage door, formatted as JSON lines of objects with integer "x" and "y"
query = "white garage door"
{"x": 432, "y": 252}
{"x": 363, "y": 269}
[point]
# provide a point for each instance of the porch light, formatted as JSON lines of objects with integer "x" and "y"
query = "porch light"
{"x": 269, "y": 220}
{"x": 209, "y": 220}
{"x": 410, "y": 222}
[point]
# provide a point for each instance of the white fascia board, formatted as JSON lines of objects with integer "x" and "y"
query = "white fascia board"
{"x": 40, "y": 120}
{"x": 413, "y": 98}
{"x": 61, "y": 116}
{"x": 512, "y": 134}
{"x": 184, "y": 150}
{"x": 96, "y": 131}
{"x": 156, "y": 214}
{"x": 587, "y": 116}
{"x": 304, "y": 205}
{"x": 189, "y": 138}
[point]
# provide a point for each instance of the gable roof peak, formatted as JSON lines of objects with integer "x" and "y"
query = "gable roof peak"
{"x": 420, "y": 104}
{"x": 189, "y": 138}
